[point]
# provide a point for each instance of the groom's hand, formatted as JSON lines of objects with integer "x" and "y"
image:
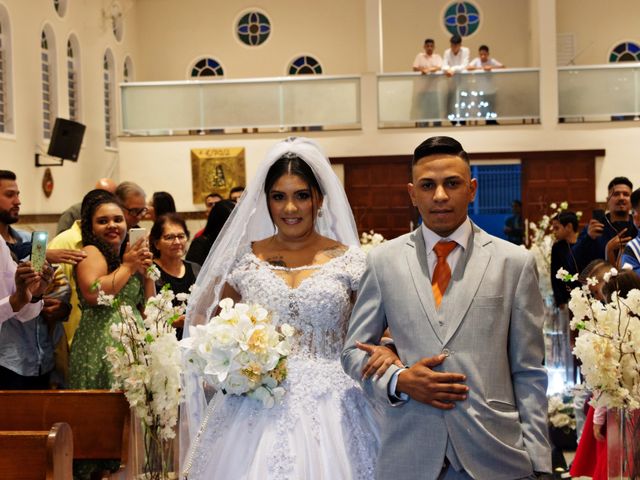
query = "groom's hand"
{"x": 438, "y": 389}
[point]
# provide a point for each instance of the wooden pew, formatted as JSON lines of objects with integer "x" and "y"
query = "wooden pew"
{"x": 99, "y": 419}
{"x": 37, "y": 455}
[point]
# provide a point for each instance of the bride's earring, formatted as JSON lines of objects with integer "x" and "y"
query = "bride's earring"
{"x": 320, "y": 213}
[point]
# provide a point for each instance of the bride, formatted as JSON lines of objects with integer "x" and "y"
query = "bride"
{"x": 290, "y": 245}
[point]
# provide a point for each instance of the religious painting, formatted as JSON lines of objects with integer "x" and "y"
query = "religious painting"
{"x": 216, "y": 170}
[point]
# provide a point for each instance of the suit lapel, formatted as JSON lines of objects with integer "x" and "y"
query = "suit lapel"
{"x": 465, "y": 281}
{"x": 416, "y": 256}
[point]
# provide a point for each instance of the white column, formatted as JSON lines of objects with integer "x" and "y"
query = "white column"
{"x": 545, "y": 11}
{"x": 373, "y": 32}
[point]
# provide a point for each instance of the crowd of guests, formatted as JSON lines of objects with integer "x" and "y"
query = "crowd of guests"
{"x": 609, "y": 240}
{"x": 53, "y": 333}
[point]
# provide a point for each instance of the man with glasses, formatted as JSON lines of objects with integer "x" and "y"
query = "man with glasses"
{"x": 134, "y": 202}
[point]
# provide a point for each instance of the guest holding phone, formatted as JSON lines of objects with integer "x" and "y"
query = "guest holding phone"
{"x": 167, "y": 240}
{"x": 608, "y": 231}
{"x": 103, "y": 228}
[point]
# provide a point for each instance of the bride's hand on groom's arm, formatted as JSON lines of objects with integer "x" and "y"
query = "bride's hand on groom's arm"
{"x": 381, "y": 357}
{"x": 438, "y": 389}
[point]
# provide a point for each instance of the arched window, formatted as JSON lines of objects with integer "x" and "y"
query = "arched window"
{"x": 73, "y": 78}
{"x": 207, "y": 67}
{"x": 6, "y": 90}
{"x": 109, "y": 100}
{"x": 117, "y": 21}
{"x": 304, "y": 65}
{"x": 127, "y": 70}
{"x": 625, "y": 52}
{"x": 48, "y": 65}
{"x": 60, "y": 6}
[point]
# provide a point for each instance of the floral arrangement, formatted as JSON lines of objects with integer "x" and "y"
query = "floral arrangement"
{"x": 242, "y": 352}
{"x": 561, "y": 413}
{"x": 145, "y": 363}
{"x": 541, "y": 241}
{"x": 608, "y": 343}
{"x": 370, "y": 240}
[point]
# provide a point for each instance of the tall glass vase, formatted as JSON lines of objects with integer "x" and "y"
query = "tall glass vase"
{"x": 154, "y": 458}
{"x": 558, "y": 356}
{"x": 623, "y": 444}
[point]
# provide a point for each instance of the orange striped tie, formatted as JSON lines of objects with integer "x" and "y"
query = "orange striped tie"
{"x": 442, "y": 272}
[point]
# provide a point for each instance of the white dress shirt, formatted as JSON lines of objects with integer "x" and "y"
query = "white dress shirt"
{"x": 461, "y": 236}
{"x": 457, "y": 62}
{"x": 8, "y": 287}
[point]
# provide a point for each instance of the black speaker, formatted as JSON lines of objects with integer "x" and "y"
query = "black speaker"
{"x": 66, "y": 139}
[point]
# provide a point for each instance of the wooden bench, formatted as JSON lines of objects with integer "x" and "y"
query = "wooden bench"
{"x": 37, "y": 455}
{"x": 99, "y": 419}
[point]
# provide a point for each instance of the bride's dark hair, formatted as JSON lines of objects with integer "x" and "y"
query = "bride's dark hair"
{"x": 291, "y": 164}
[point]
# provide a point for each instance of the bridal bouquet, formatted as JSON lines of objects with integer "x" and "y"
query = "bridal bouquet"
{"x": 561, "y": 413}
{"x": 370, "y": 240}
{"x": 241, "y": 352}
{"x": 145, "y": 363}
{"x": 608, "y": 344}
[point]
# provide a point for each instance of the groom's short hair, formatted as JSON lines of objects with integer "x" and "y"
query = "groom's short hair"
{"x": 438, "y": 146}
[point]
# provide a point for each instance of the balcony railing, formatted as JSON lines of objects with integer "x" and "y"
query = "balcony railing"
{"x": 282, "y": 103}
{"x": 597, "y": 93}
{"x": 407, "y": 99}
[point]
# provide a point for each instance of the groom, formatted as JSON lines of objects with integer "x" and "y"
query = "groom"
{"x": 465, "y": 314}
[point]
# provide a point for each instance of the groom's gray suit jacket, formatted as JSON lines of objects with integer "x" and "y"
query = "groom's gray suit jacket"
{"x": 490, "y": 325}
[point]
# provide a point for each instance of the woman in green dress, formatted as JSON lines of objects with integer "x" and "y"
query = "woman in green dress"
{"x": 103, "y": 231}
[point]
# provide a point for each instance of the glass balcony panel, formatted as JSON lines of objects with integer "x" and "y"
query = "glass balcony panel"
{"x": 160, "y": 108}
{"x": 276, "y": 103}
{"x": 318, "y": 102}
{"x": 240, "y": 105}
{"x": 407, "y": 99}
{"x": 598, "y": 93}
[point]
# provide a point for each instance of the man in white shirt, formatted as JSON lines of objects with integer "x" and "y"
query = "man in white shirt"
{"x": 426, "y": 104}
{"x": 20, "y": 288}
{"x": 456, "y": 59}
{"x": 484, "y": 85}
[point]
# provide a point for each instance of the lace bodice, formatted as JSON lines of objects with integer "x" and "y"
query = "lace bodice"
{"x": 318, "y": 308}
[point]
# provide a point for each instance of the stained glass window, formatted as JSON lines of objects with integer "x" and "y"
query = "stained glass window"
{"x": 462, "y": 18}
{"x": 253, "y": 28}
{"x": 73, "y": 74}
{"x": 109, "y": 109}
{"x": 207, "y": 67}
{"x": 47, "y": 64}
{"x": 305, "y": 65}
{"x": 625, "y": 52}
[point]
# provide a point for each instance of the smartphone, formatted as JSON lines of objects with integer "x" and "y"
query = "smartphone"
{"x": 136, "y": 234}
{"x": 598, "y": 214}
{"x": 38, "y": 249}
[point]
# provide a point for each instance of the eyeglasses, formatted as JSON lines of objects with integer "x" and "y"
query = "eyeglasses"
{"x": 181, "y": 237}
{"x": 137, "y": 212}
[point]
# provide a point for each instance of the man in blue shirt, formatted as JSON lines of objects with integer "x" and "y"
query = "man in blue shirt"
{"x": 631, "y": 253}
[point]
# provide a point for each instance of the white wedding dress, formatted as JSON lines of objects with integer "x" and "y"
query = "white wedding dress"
{"x": 325, "y": 428}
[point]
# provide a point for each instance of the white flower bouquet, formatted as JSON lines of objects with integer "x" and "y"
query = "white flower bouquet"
{"x": 145, "y": 363}
{"x": 370, "y": 240}
{"x": 608, "y": 345}
{"x": 241, "y": 352}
